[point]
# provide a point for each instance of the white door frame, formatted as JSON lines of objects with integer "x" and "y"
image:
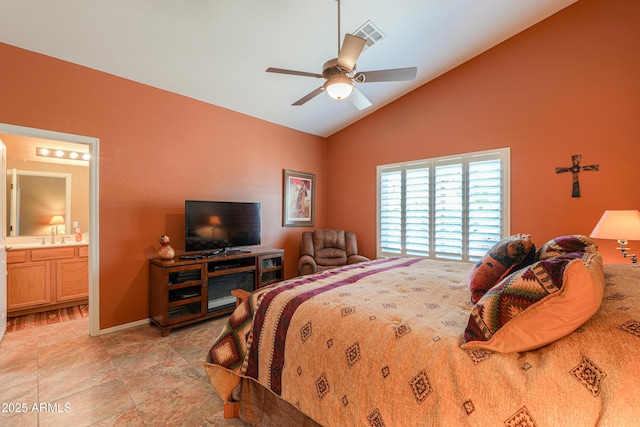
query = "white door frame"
{"x": 94, "y": 243}
{"x": 3, "y": 254}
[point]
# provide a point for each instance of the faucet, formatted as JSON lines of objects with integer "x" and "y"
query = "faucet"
{"x": 53, "y": 235}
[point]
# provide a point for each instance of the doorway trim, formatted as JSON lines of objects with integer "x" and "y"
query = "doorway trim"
{"x": 94, "y": 235}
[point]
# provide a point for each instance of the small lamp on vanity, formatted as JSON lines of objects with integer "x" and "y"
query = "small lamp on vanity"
{"x": 57, "y": 220}
{"x": 621, "y": 226}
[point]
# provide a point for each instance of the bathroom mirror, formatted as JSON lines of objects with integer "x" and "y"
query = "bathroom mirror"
{"x": 23, "y": 157}
{"x": 37, "y": 202}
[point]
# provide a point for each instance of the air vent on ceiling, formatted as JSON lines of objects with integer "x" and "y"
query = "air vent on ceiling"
{"x": 370, "y": 33}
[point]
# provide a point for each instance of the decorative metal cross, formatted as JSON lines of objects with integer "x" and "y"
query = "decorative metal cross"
{"x": 575, "y": 170}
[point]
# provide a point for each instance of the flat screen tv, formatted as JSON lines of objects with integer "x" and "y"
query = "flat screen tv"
{"x": 212, "y": 226}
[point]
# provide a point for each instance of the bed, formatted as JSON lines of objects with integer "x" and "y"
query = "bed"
{"x": 391, "y": 343}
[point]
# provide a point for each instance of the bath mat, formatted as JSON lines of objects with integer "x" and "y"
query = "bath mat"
{"x": 33, "y": 320}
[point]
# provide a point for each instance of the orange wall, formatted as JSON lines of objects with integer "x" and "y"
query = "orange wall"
{"x": 569, "y": 85}
{"x": 156, "y": 150}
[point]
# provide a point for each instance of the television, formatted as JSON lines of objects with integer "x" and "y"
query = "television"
{"x": 214, "y": 227}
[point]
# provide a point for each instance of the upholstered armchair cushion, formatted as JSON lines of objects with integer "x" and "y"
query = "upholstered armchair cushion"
{"x": 324, "y": 249}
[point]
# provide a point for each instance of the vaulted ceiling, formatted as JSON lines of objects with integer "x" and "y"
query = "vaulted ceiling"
{"x": 217, "y": 51}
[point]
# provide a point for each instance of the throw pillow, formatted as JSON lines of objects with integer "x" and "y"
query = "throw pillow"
{"x": 505, "y": 257}
{"x": 537, "y": 305}
{"x": 566, "y": 244}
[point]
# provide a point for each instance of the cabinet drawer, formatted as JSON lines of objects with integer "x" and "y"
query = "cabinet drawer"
{"x": 83, "y": 251}
{"x": 16, "y": 256}
{"x": 57, "y": 253}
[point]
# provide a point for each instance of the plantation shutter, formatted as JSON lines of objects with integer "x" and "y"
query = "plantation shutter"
{"x": 446, "y": 208}
{"x": 417, "y": 211}
{"x": 485, "y": 204}
{"x": 390, "y": 212}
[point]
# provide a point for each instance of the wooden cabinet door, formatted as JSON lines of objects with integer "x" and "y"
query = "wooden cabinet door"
{"x": 28, "y": 285}
{"x": 72, "y": 279}
{"x": 186, "y": 293}
{"x": 270, "y": 269}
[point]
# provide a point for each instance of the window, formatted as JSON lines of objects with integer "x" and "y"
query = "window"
{"x": 452, "y": 207}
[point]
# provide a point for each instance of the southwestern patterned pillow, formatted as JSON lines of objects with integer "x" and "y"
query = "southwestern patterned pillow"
{"x": 505, "y": 257}
{"x": 566, "y": 244}
{"x": 537, "y": 305}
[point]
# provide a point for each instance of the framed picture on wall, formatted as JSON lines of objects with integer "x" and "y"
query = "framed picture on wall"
{"x": 299, "y": 199}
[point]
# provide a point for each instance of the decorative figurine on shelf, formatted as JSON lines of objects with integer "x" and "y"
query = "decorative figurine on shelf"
{"x": 166, "y": 251}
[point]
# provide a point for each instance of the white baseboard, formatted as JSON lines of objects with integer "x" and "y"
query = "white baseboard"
{"x": 125, "y": 326}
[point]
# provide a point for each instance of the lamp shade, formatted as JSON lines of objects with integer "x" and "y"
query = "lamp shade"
{"x": 618, "y": 225}
{"x": 57, "y": 219}
{"x": 339, "y": 87}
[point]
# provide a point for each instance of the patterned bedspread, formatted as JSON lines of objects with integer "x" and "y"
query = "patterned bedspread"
{"x": 378, "y": 344}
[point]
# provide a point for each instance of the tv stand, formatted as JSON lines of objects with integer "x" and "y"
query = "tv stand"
{"x": 183, "y": 290}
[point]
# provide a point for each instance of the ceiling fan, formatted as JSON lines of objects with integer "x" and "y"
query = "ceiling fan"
{"x": 341, "y": 76}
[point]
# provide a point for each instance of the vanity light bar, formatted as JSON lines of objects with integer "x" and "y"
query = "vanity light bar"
{"x": 61, "y": 154}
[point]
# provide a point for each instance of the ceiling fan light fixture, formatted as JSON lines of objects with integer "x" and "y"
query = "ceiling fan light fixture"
{"x": 339, "y": 87}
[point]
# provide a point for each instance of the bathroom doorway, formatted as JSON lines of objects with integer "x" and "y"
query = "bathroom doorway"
{"x": 22, "y": 145}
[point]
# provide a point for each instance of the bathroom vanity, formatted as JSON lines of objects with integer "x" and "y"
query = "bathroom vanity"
{"x": 46, "y": 277}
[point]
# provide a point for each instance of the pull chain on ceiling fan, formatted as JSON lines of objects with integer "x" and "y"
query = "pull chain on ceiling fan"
{"x": 341, "y": 76}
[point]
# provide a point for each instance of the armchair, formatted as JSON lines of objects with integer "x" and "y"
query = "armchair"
{"x": 324, "y": 249}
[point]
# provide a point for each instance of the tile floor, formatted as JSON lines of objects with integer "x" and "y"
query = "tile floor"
{"x": 61, "y": 376}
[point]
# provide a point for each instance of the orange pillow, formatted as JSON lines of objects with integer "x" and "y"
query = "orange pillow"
{"x": 507, "y": 256}
{"x": 537, "y": 305}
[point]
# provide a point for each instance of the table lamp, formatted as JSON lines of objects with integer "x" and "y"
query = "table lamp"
{"x": 620, "y": 225}
{"x": 57, "y": 220}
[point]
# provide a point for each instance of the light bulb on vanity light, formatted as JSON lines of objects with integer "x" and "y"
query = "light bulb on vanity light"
{"x": 62, "y": 154}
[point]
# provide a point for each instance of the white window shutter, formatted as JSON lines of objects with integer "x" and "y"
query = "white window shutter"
{"x": 446, "y": 208}
{"x": 417, "y": 211}
{"x": 485, "y": 206}
{"x": 390, "y": 211}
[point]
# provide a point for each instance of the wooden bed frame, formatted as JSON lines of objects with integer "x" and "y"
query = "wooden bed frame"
{"x": 261, "y": 407}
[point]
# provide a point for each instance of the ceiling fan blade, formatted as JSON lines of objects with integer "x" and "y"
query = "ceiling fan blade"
{"x": 309, "y": 96}
{"x": 351, "y": 49}
{"x": 393, "y": 75}
{"x": 359, "y": 100}
{"x": 293, "y": 72}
